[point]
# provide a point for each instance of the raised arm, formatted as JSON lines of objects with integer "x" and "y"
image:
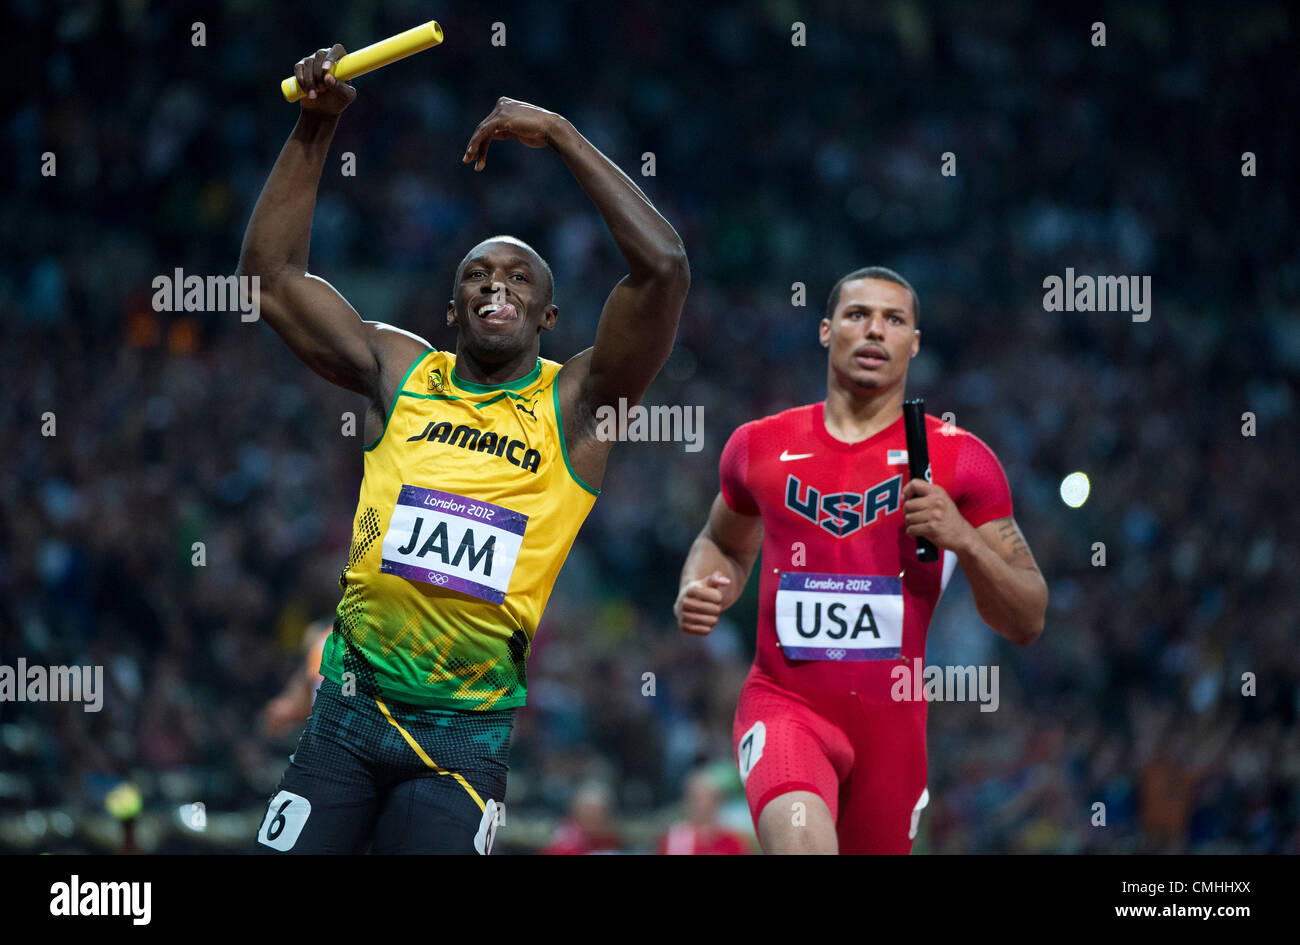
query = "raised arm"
{"x": 639, "y": 320}
{"x": 717, "y": 567}
{"x": 638, "y": 323}
{"x": 306, "y": 311}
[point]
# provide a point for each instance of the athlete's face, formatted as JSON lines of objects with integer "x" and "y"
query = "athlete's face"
{"x": 502, "y": 301}
{"x": 871, "y": 334}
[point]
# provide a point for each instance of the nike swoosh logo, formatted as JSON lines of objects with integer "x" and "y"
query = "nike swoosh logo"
{"x": 787, "y": 456}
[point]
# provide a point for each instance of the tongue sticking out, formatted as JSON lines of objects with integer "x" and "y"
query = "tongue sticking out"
{"x": 506, "y": 313}
{"x": 503, "y": 311}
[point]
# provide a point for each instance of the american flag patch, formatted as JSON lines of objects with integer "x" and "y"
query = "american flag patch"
{"x": 896, "y": 458}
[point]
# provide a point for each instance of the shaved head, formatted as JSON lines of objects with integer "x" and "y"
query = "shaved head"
{"x": 533, "y": 256}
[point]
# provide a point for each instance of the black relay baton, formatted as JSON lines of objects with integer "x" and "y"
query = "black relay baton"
{"x": 918, "y": 462}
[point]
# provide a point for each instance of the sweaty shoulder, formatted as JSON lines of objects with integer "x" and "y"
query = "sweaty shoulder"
{"x": 980, "y": 486}
{"x": 753, "y": 441}
{"x": 396, "y": 351}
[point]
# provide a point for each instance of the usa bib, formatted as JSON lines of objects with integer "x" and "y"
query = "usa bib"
{"x": 839, "y": 616}
{"x": 447, "y": 540}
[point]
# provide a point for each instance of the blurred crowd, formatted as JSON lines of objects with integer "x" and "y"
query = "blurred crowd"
{"x": 1166, "y": 687}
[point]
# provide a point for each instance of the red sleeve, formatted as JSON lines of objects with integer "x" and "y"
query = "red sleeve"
{"x": 981, "y": 490}
{"x": 734, "y": 473}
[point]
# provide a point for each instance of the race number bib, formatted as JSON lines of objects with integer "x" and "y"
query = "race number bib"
{"x": 839, "y": 616}
{"x": 447, "y": 540}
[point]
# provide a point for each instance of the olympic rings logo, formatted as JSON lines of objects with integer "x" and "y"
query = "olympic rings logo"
{"x": 435, "y": 578}
{"x": 836, "y": 654}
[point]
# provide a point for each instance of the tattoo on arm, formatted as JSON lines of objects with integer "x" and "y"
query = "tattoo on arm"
{"x": 1009, "y": 533}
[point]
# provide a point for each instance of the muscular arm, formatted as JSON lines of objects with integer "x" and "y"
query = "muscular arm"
{"x": 1009, "y": 590}
{"x": 717, "y": 567}
{"x": 639, "y": 320}
{"x": 316, "y": 322}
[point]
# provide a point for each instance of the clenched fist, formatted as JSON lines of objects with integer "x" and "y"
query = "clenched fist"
{"x": 700, "y": 604}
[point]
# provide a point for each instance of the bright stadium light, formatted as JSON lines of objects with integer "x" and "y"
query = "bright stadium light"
{"x": 1074, "y": 489}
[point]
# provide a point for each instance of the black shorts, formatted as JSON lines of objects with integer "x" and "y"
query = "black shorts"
{"x": 372, "y": 775}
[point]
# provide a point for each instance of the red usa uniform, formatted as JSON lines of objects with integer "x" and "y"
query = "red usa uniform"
{"x": 843, "y": 601}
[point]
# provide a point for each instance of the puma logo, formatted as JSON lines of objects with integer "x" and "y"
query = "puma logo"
{"x": 526, "y": 410}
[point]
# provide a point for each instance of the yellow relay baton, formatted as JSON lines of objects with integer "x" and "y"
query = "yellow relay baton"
{"x": 374, "y": 56}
